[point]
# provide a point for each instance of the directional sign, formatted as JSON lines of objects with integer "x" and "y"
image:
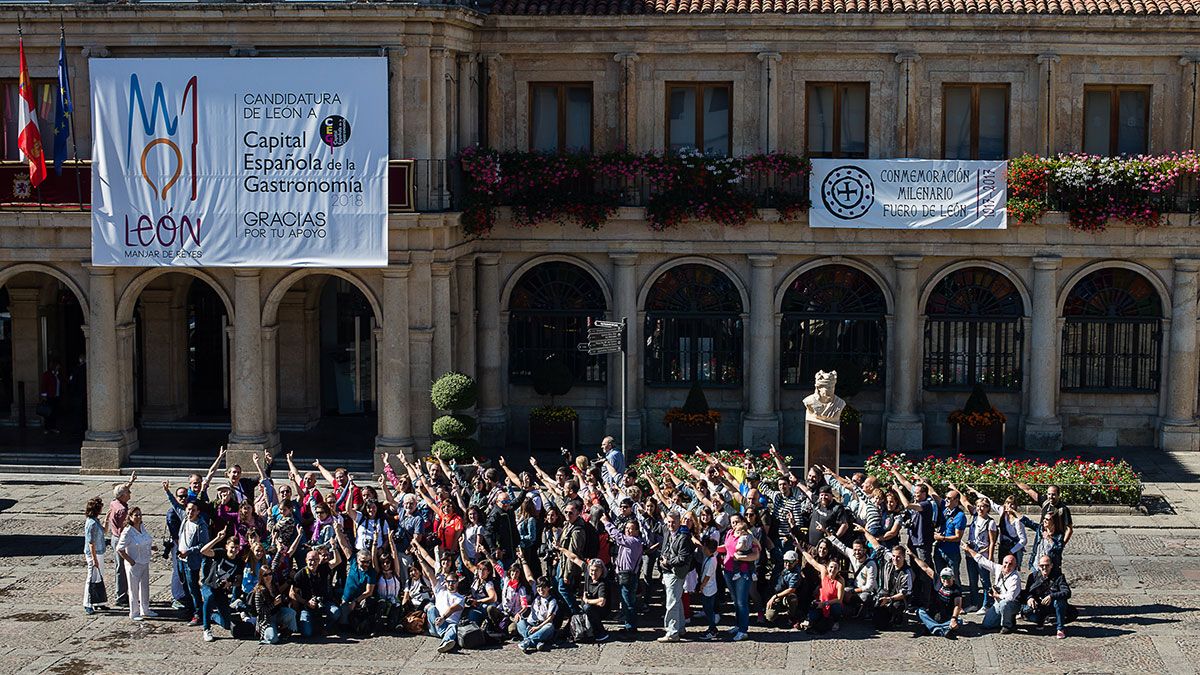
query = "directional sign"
{"x": 603, "y": 335}
{"x": 595, "y": 344}
{"x": 607, "y": 324}
{"x": 597, "y": 352}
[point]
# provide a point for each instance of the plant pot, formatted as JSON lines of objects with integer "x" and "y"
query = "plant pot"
{"x": 685, "y": 437}
{"x": 851, "y": 439}
{"x": 552, "y": 435}
{"x": 980, "y": 440}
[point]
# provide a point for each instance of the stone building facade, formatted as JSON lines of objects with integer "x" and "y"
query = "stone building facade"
{"x": 461, "y": 76}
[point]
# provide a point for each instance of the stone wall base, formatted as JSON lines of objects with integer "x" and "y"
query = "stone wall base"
{"x": 905, "y": 434}
{"x": 242, "y": 452}
{"x": 1179, "y": 437}
{"x": 633, "y": 431}
{"x": 1044, "y": 435}
{"x": 396, "y": 447}
{"x": 758, "y": 433}
{"x": 493, "y": 429}
{"x": 107, "y": 453}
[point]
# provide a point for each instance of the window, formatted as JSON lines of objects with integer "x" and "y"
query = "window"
{"x": 1116, "y": 120}
{"x": 832, "y": 315}
{"x": 975, "y": 121}
{"x": 973, "y": 332}
{"x": 837, "y": 119}
{"x": 693, "y": 328}
{"x": 549, "y": 311}
{"x": 1112, "y": 332}
{"x": 560, "y": 116}
{"x": 43, "y": 96}
{"x": 700, "y": 116}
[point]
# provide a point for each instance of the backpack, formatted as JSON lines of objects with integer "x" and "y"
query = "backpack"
{"x": 470, "y": 635}
{"x": 581, "y": 628}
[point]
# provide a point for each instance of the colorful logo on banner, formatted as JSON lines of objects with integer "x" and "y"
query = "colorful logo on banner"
{"x": 166, "y": 228}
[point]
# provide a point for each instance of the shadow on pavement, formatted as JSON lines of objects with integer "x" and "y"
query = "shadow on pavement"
{"x": 22, "y": 545}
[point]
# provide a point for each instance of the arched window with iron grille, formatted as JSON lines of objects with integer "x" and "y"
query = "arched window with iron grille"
{"x": 833, "y": 314}
{"x": 549, "y": 311}
{"x": 1112, "y": 333}
{"x": 693, "y": 328}
{"x": 973, "y": 332}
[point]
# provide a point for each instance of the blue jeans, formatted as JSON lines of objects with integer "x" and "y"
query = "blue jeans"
{"x": 945, "y": 555}
{"x": 567, "y": 594}
{"x": 1003, "y": 613}
{"x": 981, "y": 578}
{"x": 535, "y": 638}
{"x": 1040, "y": 612}
{"x": 738, "y": 584}
{"x": 629, "y": 599}
{"x": 216, "y": 608}
{"x": 286, "y": 619}
{"x": 709, "y": 605}
{"x": 938, "y": 628}
{"x": 192, "y": 601}
{"x": 312, "y": 620}
{"x": 447, "y": 631}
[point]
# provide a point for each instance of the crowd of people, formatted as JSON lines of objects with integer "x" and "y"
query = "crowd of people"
{"x": 591, "y": 552}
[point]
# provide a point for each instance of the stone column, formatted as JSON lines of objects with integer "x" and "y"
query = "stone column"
{"x": 107, "y": 443}
{"x": 26, "y": 349}
{"x": 628, "y": 113}
{"x": 468, "y": 104}
{"x": 760, "y": 426}
{"x": 1043, "y": 429}
{"x": 247, "y": 435}
{"x": 624, "y": 276}
{"x": 442, "y": 339}
{"x": 397, "y": 98}
{"x": 420, "y": 403}
{"x": 438, "y": 102}
{"x": 907, "y": 96}
{"x": 270, "y": 361}
{"x": 1191, "y": 98}
{"x": 904, "y": 425}
{"x": 495, "y": 109}
{"x": 768, "y": 128}
{"x": 395, "y": 382}
{"x": 1179, "y": 430}
{"x": 493, "y": 417}
{"x": 465, "y": 328}
{"x": 1046, "y": 103}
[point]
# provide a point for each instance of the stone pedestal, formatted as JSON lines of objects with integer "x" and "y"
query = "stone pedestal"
{"x": 1043, "y": 435}
{"x": 760, "y": 431}
{"x": 1179, "y": 437}
{"x": 822, "y": 444}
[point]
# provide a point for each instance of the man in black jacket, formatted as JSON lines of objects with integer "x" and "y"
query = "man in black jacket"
{"x": 675, "y": 563}
{"x": 1045, "y": 592}
{"x": 896, "y": 591}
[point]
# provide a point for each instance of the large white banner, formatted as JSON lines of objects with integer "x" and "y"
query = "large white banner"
{"x": 914, "y": 194}
{"x": 240, "y": 162}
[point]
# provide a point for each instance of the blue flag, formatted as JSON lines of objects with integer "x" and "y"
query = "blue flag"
{"x": 62, "y": 108}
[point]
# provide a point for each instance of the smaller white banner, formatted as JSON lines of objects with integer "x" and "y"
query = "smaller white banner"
{"x": 911, "y": 194}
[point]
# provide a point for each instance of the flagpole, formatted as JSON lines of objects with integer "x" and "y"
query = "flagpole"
{"x": 62, "y": 35}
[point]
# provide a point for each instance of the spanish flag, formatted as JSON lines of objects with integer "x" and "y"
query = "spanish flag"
{"x": 29, "y": 138}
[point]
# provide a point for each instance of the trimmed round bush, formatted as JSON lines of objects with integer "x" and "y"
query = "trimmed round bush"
{"x": 454, "y": 426}
{"x": 454, "y": 391}
{"x": 458, "y": 449}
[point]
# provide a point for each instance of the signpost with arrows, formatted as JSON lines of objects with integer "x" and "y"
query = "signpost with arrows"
{"x": 608, "y": 337}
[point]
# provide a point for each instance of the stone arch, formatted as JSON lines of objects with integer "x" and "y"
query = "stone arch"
{"x": 11, "y": 271}
{"x": 1008, "y": 272}
{"x": 863, "y": 267}
{"x": 133, "y": 290}
{"x": 271, "y": 307}
{"x": 1164, "y": 296}
{"x": 515, "y": 277}
{"x": 734, "y": 278}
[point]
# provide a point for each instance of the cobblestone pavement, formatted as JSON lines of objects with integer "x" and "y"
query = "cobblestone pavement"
{"x": 1136, "y": 580}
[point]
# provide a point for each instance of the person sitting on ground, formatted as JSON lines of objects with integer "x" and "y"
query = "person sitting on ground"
{"x": 443, "y": 614}
{"x": 537, "y": 626}
{"x": 595, "y": 598}
{"x": 860, "y": 597}
{"x": 1046, "y": 592}
{"x": 896, "y": 592}
{"x": 273, "y": 617}
{"x": 224, "y": 574}
{"x": 825, "y": 614}
{"x": 785, "y": 603}
{"x": 1006, "y": 590}
{"x": 943, "y": 617}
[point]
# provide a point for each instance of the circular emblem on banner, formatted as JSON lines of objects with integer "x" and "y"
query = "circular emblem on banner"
{"x": 848, "y": 192}
{"x": 335, "y": 131}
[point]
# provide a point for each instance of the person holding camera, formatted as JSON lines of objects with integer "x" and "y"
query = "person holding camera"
{"x": 224, "y": 574}
{"x": 1006, "y": 590}
{"x": 311, "y": 589}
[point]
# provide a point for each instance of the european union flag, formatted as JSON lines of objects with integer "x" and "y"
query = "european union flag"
{"x": 62, "y": 108}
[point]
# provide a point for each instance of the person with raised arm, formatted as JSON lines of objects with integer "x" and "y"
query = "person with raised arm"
{"x": 1006, "y": 590}
{"x": 223, "y": 576}
{"x": 826, "y": 613}
{"x": 362, "y": 576}
{"x": 855, "y": 497}
{"x": 306, "y": 490}
{"x": 444, "y": 613}
{"x": 1055, "y": 506}
{"x": 864, "y": 572}
{"x": 946, "y": 604}
{"x": 118, "y": 511}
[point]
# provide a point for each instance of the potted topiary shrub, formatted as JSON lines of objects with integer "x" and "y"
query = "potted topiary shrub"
{"x": 694, "y": 424}
{"x": 454, "y": 392}
{"x": 553, "y": 426}
{"x": 978, "y": 427}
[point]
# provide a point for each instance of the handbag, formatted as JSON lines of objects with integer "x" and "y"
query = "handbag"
{"x": 581, "y": 628}
{"x": 97, "y": 594}
{"x": 414, "y": 622}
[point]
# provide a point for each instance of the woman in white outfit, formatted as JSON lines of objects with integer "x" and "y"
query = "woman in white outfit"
{"x": 93, "y": 550}
{"x": 136, "y": 548}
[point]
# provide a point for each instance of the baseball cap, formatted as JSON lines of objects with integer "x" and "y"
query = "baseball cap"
{"x": 790, "y": 556}
{"x": 946, "y": 573}
{"x": 627, "y": 502}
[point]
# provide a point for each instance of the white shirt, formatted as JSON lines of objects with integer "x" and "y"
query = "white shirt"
{"x": 1010, "y": 586}
{"x": 137, "y": 544}
{"x": 444, "y": 599}
{"x": 710, "y": 570}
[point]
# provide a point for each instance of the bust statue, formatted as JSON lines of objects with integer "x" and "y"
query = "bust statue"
{"x": 822, "y": 405}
